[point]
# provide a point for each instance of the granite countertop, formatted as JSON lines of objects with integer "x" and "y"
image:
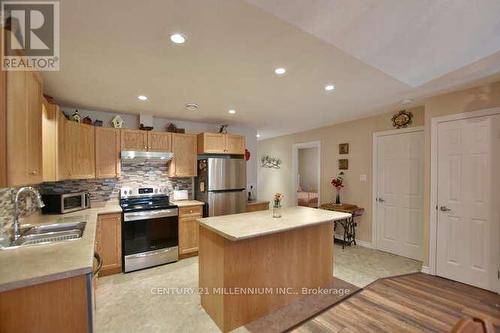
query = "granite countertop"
{"x": 187, "y": 203}
{"x": 248, "y": 225}
{"x": 29, "y": 265}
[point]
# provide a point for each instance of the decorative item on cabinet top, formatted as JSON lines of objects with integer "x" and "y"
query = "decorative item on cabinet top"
{"x": 267, "y": 161}
{"x": 117, "y": 122}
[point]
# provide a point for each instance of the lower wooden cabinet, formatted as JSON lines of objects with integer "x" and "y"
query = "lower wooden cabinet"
{"x": 188, "y": 229}
{"x": 56, "y": 306}
{"x": 108, "y": 243}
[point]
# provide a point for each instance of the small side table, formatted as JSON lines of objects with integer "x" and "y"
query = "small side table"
{"x": 349, "y": 225}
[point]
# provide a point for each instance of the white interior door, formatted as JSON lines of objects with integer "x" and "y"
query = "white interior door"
{"x": 399, "y": 207}
{"x": 468, "y": 234}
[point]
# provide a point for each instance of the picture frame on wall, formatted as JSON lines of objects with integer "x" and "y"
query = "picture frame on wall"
{"x": 343, "y": 164}
{"x": 343, "y": 148}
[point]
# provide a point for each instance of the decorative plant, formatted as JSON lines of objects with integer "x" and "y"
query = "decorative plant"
{"x": 277, "y": 205}
{"x": 277, "y": 199}
{"x": 338, "y": 183}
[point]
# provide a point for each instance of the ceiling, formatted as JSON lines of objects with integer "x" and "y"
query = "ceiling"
{"x": 376, "y": 53}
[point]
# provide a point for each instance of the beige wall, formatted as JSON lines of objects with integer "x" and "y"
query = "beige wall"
{"x": 474, "y": 99}
{"x": 308, "y": 169}
{"x": 359, "y": 135}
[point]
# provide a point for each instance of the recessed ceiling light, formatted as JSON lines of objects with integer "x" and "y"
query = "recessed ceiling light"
{"x": 232, "y": 111}
{"x": 142, "y": 97}
{"x": 280, "y": 71}
{"x": 329, "y": 87}
{"x": 177, "y": 38}
{"x": 258, "y": 135}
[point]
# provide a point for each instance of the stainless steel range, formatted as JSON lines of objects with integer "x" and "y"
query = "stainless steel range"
{"x": 149, "y": 228}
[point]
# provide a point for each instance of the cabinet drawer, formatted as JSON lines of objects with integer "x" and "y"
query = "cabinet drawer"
{"x": 190, "y": 210}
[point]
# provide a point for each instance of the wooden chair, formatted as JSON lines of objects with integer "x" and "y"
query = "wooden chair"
{"x": 473, "y": 325}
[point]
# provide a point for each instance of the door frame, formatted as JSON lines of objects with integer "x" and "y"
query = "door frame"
{"x": 433, "y": 212}
{"x": 295, "y": 167}
{"x": 376, "y": 136}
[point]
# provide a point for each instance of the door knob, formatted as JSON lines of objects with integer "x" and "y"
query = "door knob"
{"x": 380, "y": 200}
{"x": 444, "y": 209}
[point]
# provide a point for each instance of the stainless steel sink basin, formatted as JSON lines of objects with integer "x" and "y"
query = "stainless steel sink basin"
{"x": 55, "y": 227}
{"x": 49, "y": 237}
{"x": 48, "y": 233}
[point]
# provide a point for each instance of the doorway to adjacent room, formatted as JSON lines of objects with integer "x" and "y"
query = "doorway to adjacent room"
{"x": 306, "y": 166}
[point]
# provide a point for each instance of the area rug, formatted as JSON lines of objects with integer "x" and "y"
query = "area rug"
{"x": 306, "y": 307}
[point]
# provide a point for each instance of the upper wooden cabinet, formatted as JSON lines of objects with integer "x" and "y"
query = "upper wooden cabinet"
{"x": 217, "y": 143}
{"x": 76, "y": 150}
{"x": 50, "y": 121}
{"x": 235, "y": 144}
{"x": 107, "y": 152}
{"x": 159, "y": 141}
{"x": 145, "y": 140}
{"x": 183, "y": 163}
{"x": 23, "y": 128}
{"x": 134, "y": 140}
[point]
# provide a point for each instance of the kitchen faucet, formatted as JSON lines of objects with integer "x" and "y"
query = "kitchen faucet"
{"x": 38, "y": 201}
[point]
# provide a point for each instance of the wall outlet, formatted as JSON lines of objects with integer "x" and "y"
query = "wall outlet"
{"x": 363, "y": 178}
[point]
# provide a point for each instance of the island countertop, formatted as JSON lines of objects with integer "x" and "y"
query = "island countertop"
{"x": 248, "y": 225}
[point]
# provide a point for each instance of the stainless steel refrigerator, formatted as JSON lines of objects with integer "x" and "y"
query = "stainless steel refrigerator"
{"x": 221, "y": 184}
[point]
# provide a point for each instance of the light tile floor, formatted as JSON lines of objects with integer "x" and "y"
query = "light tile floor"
{"x": 132, "y": 303}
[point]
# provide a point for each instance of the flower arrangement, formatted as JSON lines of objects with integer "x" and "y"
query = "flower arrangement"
{"x": 338, "y": 183}
{"x": 277, "y": 205}
{"x": 277, "y": 199}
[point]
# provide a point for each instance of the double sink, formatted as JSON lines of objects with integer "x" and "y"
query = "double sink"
{"x": 48, "y": 233}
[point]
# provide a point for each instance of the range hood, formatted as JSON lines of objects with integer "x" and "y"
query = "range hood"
{"x": 146, "y": 155}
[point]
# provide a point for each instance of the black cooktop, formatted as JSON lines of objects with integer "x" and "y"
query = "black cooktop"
{"x": 134, "y": 204}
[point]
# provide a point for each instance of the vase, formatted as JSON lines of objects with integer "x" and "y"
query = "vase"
{"x": 337, "y": 198}
{"x": 277, "y": 210}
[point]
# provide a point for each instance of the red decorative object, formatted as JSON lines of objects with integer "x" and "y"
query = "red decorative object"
{"x": 247, "y": 154}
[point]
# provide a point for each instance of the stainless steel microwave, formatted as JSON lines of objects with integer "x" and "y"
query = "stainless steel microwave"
{"x": 61, "y": 203}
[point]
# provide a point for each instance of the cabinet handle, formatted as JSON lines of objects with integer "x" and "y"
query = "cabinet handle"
{"x": 34, "y": 172}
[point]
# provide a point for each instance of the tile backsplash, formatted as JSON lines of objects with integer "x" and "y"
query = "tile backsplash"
{"x": 133, "y": 173}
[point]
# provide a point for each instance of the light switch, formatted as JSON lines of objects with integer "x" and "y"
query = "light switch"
{"x": 362, "y": 178}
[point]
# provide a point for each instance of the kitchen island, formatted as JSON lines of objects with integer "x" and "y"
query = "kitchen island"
{"x": 252, "y": 264}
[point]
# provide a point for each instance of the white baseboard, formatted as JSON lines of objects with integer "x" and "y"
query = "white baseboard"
{"x": 358, "y": 242}
{"x": 425, "y": 269}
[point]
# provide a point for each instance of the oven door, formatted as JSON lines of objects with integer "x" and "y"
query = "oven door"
{"x": 150, "y": 238}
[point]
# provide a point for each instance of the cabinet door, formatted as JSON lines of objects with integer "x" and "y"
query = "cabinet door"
{"x": 211, "y": 143}
{"x": 34, "y": 129}
{"x": 81, "y": 140}
{"x": 134, "y": 140}
{"x": 17, "y": 119}
{"x": 63, "y": 147}
{"x": 184, "y": 162}
{"x": 108, "y": 243}
{"x": 235, "y": 144}
{"x": 107, "y": 152}
{"x": 189, "y": 229}
{"x": 159, "y": 141}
